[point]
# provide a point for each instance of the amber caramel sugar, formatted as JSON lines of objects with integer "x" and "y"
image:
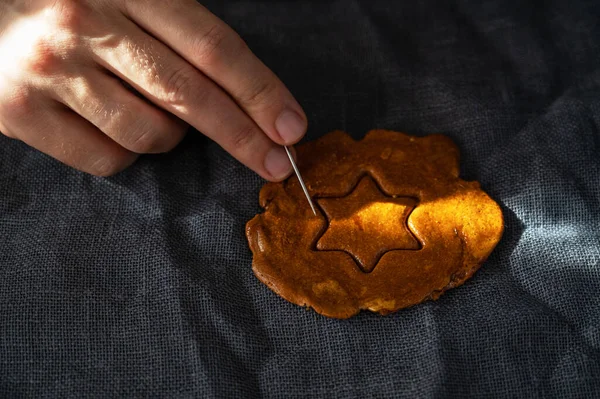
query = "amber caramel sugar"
{"x": 396, "y": 225}
{"x": 366, "y": 224}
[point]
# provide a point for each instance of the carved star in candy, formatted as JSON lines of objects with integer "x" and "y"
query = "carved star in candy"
{"x": 367, "y": 223}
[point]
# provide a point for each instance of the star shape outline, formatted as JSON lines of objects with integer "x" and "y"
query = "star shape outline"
{"x": 365, "y": 179}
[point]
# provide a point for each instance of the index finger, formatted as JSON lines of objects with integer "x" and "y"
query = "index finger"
{"x": 211, "y": 46}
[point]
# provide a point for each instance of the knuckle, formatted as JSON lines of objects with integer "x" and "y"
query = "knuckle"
{"x": 149, "y": 138}
{"x": 69, "y": 45}
{"x": 43, "y": 59}
{"x": 51, "y": 55}
{"x": 176, "y": 87}
{"x": 260, "y": 93}
{"x": 243, "y": 138}
{"x": 55, "y": 42}
{"x": 68, "y": 14}
{"x": 149, "y": 134}
{"x": 210, "y": 47}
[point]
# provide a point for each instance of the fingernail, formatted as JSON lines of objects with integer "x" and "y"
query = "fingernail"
{"x": 277, "y": 163}
{"x": 290, "y": 126}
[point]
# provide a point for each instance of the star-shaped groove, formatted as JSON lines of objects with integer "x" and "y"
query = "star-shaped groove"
{"x": 367, "y": 223}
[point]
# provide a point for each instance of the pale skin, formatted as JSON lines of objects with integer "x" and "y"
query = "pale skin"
{"x": 96, "y": 83}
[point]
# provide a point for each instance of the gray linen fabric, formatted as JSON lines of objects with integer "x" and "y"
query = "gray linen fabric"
{"x": 140, "y": 285}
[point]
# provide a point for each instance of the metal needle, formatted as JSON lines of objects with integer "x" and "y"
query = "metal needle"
{"x": 312, "y": 206}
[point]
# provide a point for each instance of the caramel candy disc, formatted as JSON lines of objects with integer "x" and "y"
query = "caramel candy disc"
{"x": 397, "y": 225}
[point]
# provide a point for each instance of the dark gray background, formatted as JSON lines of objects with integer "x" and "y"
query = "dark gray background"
{"x": 140, "y": 285}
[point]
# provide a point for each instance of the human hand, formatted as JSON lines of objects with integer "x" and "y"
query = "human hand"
{"x": 64, "y": 63}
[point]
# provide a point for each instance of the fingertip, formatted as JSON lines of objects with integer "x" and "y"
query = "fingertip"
{"x": 291, "y": 126}
{"x": 277, "y": 165}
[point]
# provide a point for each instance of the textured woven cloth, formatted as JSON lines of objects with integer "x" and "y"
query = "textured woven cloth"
{"x": 141, "y": 284}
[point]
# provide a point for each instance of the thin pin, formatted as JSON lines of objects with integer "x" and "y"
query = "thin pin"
{"x": 312, "y": 206}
